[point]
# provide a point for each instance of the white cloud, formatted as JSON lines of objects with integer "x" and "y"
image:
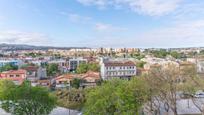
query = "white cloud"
{"x": 184, "y": 34}
{"x": 18, "y": 37}
{"x": 189, "y": 11}
{"x": 101, "y": 27}
{"x": 148, "y": 7}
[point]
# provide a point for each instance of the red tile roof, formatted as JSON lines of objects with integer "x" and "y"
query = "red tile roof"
{"x": 20, "y": 71}
{"x": 91, "y": 74}
{"x": 119, "y": 63}
{"x": 31, "y": 68}
{"x": 65, "y": 76}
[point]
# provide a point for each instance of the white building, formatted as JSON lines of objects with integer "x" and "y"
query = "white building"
{"x": 73, "y": 63}
{"x": 14, "y": 62}
{"x": 123, "y": 69}
{"x": 200, "y": 66}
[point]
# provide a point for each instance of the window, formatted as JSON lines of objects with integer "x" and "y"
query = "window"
{"x": 11, "y": 76}
{"x": 17, "y": 75}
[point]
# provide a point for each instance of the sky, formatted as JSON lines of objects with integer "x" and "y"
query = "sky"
{"x": 103, "y": 23}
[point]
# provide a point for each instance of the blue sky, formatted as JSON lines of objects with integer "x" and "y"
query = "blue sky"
{"x": 103, "y": 23}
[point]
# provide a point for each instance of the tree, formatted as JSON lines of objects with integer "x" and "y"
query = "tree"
{"x": 116, "y": 97}
{"x": 27, "y": 65}
{"x": 52, "y": 69}
{"x": 75, "y": 83}
{"x": 165, "y": 83}
{"x": 83, "y": 67}
{"x": 175, "y": 54}
{"x": 94, "y": 67}
{"x": 72, "y": 99}
{"x": 140, "y": 64}
{"x": 8, "y": 67}
{"x": 25, "y": 100}
{"x": 162, "y": 53}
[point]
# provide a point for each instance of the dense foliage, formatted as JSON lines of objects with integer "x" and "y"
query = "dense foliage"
{"x": 25, "y": 100}
{"x": 140, "y": 64}
{"x": 52, "y": 69}
{"x": 163, "y": 53}
{"x": 116, "y": 97}
{"x": 83, "y": 67}
{"x": 32, "y": 54}
{"x": 8, "y": 67}
{"x": 75, "y": 83}
{"x": 73, "y": 98}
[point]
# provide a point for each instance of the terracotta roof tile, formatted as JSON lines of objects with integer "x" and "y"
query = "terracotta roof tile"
{"x": 119, "y": 63}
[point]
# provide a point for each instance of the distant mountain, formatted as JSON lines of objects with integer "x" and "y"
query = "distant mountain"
{"x": 14, "y": 47}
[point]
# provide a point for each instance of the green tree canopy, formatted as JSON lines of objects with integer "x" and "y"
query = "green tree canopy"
{"x": 8, "y": 67}
{"x": 52, "y": 69}
{"x": 140, "y": 64}
{"x": 25, "y": 100}
{"x": 72, "y": 99}
{"x": 116, "y": 97}
{"x": 162, "y": 53}
{"x": 83, "y": 67}
{"x": 176, "y": 54}
{"x": 75, "y": 83}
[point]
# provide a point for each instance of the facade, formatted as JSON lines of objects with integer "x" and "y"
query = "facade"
{"x": 12, "y": 62}
{"x": 200, "y": 66}
{"x": 60, "y": 62}
{"x": 17, "y": 76}
{"x": 34, "y": 73}
{"x": 63, "y": 81}
{"x": 120, "y": 69}
{"x": 44, "y": 83}
{"x": 90, "y": 79}
{"x": 73, "y": 63}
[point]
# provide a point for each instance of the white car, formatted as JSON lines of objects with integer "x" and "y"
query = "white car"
{"x": 199, "y": 95}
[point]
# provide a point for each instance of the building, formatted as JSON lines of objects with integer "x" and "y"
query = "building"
{"x": 90, "y": 79}
{"x": 63, "y": 81}
{"x": 34, "y": 73}
{"x": 17, "y": 76}
{"x": 200, "y": 66}
{"x": 118, "y": 69}
{"x": 73, "y": 63}
{"x": 59, "y": 62}
{"x": 44, "y": 82}
{"x": 11, "y": 61}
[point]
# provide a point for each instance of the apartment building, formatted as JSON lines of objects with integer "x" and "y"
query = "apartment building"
{"x": 73, "y": 63}
{"x": 10, "y": 61}
{"x": 123, "y": 69}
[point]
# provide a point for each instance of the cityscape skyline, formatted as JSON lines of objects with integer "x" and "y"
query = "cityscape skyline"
{"x": 103, "y": 23}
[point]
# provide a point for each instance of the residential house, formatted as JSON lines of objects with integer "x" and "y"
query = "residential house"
{"x": 17, "y": 76}
{"x": 63, "y": 81}
{"x": 44, "y": 82}
{"x": 35, "y": 73}
{"x": 90, "y": 79}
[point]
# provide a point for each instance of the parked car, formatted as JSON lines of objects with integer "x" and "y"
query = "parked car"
{"x": 199, "y": 94}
